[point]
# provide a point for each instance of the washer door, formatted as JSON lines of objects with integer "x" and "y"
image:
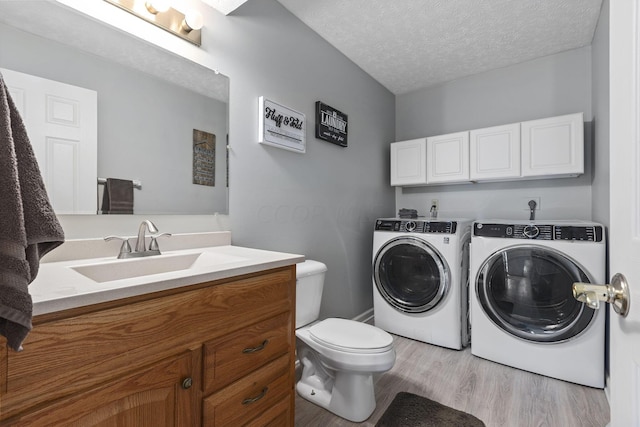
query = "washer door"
{"x": 526, "y": 291}
{"x": 410, "y": 274}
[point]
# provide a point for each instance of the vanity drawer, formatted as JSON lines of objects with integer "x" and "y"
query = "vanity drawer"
{"x": 278, "y": 415}
{"x": 235, "y": 355}
{"x": 251, "y": 397}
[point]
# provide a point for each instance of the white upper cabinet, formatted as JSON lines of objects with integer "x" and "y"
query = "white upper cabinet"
{"x": 409, "y": 162}
{"x": 448, "y": 158}
{"x": 553, "y": 146}
{"x": 536, "y": 149}
{"x": 495, "y": 153}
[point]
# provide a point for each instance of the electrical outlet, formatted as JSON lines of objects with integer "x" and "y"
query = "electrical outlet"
{"x": 434, "y": 202}
{"x": 525, "y": 203}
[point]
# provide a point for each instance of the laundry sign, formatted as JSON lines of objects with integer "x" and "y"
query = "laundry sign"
{"x": 331, "y": 124}
{"x": 281, "y": 126}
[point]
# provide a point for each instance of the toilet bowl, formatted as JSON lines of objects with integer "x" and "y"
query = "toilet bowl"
{"x": 338, "y": 356}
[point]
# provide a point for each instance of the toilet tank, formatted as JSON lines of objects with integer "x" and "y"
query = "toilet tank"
{"x": 309, "y": 283}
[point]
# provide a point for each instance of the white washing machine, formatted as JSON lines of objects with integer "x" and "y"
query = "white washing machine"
{"x": 523, "y": 313}
{"x": 420, "y": 272}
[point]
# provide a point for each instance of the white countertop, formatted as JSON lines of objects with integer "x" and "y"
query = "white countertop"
{"x": 58, "y": 286}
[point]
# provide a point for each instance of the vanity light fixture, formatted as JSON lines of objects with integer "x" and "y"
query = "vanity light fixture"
{"x": 160, "y": 13}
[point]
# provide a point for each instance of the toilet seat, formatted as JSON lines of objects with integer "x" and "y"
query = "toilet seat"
{"x": 350, "y": 336}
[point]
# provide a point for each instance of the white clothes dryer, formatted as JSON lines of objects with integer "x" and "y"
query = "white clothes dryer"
{"x": 523, "y": 313}
{"x": 420, "y": 279}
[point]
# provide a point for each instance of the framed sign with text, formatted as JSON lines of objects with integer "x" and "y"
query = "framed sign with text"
{"x": 281, "y": 126}
{"x": 331, "y": 124}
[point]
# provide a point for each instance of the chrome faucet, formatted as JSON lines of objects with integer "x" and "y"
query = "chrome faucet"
{"x": 141, "y": 249}
{"x": 141, "y": 243}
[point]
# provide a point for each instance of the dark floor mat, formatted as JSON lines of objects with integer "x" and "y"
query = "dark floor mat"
{"x": 410, "y": 410}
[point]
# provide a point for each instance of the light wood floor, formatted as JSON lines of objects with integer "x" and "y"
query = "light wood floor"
{"x": 497, "y": 394}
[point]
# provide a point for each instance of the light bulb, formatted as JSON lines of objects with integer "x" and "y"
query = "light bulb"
{"x": 157, "y": 6}
{"x": 192, "y": 21}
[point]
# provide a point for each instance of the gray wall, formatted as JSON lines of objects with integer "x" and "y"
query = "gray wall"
{"x": 549, "y": 86}
{"x": 323, "y": 203}
{"x": 600, "y": 72}
{"x": 148, "y": 136}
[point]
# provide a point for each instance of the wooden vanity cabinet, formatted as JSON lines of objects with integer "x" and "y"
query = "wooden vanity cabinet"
{"x": 208, "y": 354}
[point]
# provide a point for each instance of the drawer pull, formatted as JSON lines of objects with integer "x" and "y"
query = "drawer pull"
{"x": 250, "y": 350}
{"x": 187, "y": 383}
{"x": 250, "y": 400}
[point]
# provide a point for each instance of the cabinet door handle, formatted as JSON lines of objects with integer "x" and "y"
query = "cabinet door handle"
{"x": 250, "y": 400}
{"x": 187, "y": 383}
{"x": 256, "y": 349}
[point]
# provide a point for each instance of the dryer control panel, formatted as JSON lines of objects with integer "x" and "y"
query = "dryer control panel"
{"x": 587, "y": 233}
{"x": 416, "y": 226}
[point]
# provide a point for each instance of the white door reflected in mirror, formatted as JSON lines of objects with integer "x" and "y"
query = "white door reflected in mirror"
{"x": 62, "y": 124}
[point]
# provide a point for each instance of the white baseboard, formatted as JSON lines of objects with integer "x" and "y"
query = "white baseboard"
{"x": 366, "y": 316}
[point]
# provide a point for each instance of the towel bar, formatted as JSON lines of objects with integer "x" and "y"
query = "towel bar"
{"x": 136, "y": 183}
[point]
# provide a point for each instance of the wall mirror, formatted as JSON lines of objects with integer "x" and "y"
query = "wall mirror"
{"x": 154, "y": 108}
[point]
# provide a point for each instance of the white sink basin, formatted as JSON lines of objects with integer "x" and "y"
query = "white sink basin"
{"x": 137, "y": 267}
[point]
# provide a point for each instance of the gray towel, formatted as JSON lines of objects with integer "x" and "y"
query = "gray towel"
{"x": 28, "y": 226}
{"x": 117, "y": 197}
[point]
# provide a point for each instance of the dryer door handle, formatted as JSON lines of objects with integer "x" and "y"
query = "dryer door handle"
{"x": 616, "y": 294}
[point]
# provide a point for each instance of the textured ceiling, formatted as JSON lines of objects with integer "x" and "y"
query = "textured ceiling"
{"x": 408, "y": 45}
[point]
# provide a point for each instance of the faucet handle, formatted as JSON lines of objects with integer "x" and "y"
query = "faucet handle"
{"x": 153, "y": 246}
{"x": 125, "y": 248}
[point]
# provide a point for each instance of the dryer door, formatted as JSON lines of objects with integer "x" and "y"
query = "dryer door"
{"x": 526, "y": 291}
{"x": 410, "y": 274}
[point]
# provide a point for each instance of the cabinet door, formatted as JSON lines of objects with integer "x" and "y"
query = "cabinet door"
{"x": 553, "y": 146}
{"x": 155, "y": 397}
{"x": 448, "y": 158}
{"x": 495, "y": 152}
{"x": 409, "y": 162}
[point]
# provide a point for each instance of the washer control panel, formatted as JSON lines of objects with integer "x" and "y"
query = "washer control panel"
{"x": 588, "y": 233}
{"x": 416, "y": 226}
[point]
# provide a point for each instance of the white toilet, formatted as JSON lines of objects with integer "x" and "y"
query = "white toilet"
{"x": 338, "y": 356}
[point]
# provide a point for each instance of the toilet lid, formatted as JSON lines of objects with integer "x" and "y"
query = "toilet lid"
{"x": 351, "y": 336}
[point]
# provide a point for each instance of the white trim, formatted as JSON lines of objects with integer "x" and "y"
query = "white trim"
{"x": 365, "y": 316}
{"x": 636, "y": 109}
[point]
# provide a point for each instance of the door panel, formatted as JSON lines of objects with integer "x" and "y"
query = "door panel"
{"x": 624, "y": 252}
